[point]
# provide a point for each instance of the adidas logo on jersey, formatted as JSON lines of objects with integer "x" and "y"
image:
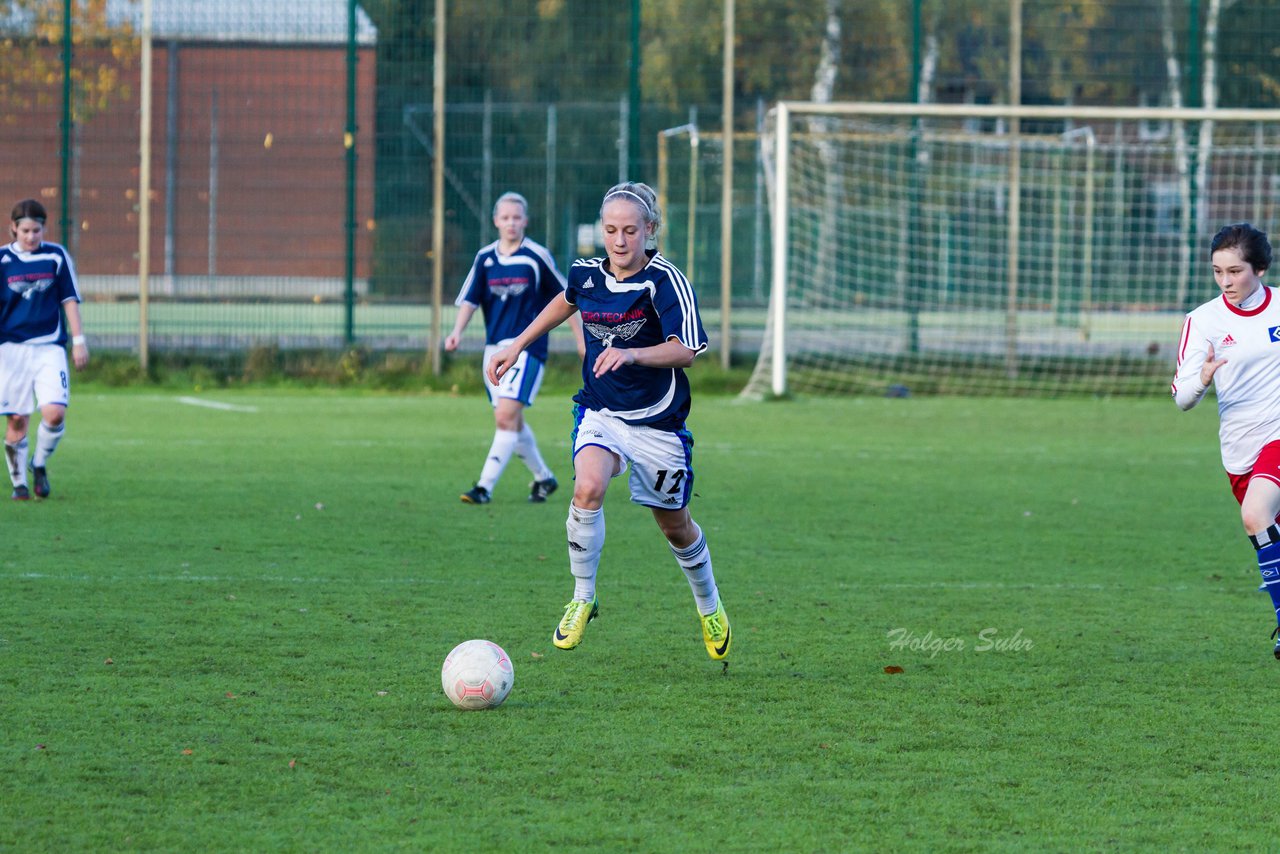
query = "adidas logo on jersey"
{"x": 589, "y": 283}
{"x": 1227, "y": 342}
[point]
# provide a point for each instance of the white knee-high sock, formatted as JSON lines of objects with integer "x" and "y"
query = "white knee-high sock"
{"x": 696, "y": 563}
{"x": 504, "y": 445}
{"x": 527, "y": 450}
{"x": 47, "y": 442}
{"x": 585, "y": 529}
{"x": 15, "y": 455}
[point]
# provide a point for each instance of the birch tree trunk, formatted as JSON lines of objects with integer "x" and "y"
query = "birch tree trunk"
{"x": 1209, "y": 100}
{"x": 823, "y": 88}
{"x": 1173, "y": 73}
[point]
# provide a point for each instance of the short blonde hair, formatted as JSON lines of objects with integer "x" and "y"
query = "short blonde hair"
{"x": 511, "y": 197}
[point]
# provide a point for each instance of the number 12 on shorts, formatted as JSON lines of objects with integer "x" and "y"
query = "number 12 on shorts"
{"x": 676, "y": 477}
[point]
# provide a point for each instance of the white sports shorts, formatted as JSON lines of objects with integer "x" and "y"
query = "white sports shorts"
{"x": 661, "y": 462}
{"x": 521, "y": 381}
{"x": 30, "y": 373}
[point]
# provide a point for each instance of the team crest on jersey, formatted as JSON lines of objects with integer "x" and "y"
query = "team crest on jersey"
{"x": 26, "y": 287}
{"x": 1274, "y": 334}
{"x": 502, "y": 292}
{"x": 607, "y": 334}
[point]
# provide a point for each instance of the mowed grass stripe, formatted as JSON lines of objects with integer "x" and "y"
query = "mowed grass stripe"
{"x": 274, "y": 592}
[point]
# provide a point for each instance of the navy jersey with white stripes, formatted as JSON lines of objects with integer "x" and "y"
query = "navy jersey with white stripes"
{"x": 36, "y": 284}
{"x": 652, "y": 306}
{"x": 512, "y": 290}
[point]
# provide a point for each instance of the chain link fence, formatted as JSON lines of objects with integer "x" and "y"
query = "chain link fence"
{"x": 291, "y": 144}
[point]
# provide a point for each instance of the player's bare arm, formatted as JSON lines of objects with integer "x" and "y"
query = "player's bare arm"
{"x": 465, "y": 311}
{"x": 79, "y": 347}
{"x": 579, "y": 340}
{"x": 669, "y": 354}
{"x": 557, "y": 311}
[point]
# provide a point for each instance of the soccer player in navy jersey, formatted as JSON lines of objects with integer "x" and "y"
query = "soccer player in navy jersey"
{"x": 511, "y": 281}
{"x": 39, "y": 289}
{"x": 642, "y": 328}
{"x": 1233, "y": 341}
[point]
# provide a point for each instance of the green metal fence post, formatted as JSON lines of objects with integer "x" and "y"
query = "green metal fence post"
{"x": 349, "y": 140}
{"x": 64, "y": 190}
{"x": 633, "y": 98}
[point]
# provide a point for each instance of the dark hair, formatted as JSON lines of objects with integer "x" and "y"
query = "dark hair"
{"x": 29, "y": 209}
{"x": 1251, "y": 243}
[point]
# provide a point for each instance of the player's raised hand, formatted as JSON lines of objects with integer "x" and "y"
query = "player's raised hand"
{"x": 612, "y": 358}
{"x": 1210, "y": 367}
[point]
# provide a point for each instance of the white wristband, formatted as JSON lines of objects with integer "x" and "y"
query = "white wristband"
{"x": 77, "y": 340}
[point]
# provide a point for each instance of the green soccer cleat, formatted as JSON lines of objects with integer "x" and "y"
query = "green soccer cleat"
{"x": 573, "y": 625}
{"x": 716, "y": 633}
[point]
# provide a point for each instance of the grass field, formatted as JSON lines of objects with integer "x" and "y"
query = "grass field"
{"x": 224, "y": 632}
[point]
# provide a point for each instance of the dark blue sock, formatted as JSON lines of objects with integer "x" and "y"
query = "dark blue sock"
{"x": 1269, "y": 566}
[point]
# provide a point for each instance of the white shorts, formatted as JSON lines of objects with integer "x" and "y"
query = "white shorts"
{"x": 661, "y": 462}
{"x": 30, "y": 373}
{"x": 521, "y": 381}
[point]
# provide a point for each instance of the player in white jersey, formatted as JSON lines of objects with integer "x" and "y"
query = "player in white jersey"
{"x": 642, "y": 330}
{"x": 1233, "y": 341}
{"x": 39, "y": 288}
{"x": 511, "y": 280}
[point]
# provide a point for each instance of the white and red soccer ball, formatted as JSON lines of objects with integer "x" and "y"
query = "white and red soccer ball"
{"x": 477, "y": 674}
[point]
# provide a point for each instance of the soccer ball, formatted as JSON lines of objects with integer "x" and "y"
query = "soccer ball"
{"x": 477, "y": 674}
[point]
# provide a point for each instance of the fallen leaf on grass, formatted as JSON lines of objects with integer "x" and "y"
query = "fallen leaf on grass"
{"x": 187, "y": 751}
{"x": 39, "y": 747}
{"x": 230, "y": 696}
{"x": 893, "y": 668}
{"x": 109, "y": 661}
{"x": 535, "y": 655}
{"x": 293, "y": 762}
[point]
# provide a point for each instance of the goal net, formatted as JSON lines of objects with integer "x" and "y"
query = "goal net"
{"x": 998, "y": 250}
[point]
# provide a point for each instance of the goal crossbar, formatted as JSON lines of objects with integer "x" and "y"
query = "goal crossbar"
{"x": 829, "y": 141}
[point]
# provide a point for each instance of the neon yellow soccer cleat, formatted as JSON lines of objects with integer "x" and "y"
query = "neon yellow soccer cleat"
{"x": 716, "y": 633}
{"x": 573, "y": 625}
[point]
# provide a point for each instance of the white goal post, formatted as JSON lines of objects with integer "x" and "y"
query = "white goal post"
{"x": 988, "y": 249}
